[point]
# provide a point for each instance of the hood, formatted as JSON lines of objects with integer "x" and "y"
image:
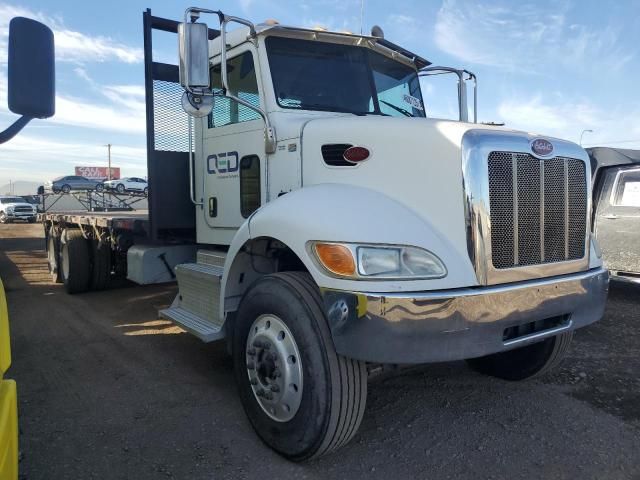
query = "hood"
{"x": 417, "y": 162}
{"x": 18, "y": 204}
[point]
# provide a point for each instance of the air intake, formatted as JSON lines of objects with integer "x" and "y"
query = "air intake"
{"x": 333, "y": 154}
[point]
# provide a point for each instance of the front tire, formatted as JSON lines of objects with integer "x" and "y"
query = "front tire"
{"x": 524, "y": 362}
{"x": 66, "y": 188}
{"x": 328, "y": 402}
{"x": 74, "y": 260}
{"x": 120, "y": 188}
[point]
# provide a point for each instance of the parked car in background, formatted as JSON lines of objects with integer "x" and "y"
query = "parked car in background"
{"x": 16, "y": 208}
{"x": 616, "y": 201}
{"x": 73, "y": 182}
{"x": 128, "y": 184}
{"x": 33, "y": 200}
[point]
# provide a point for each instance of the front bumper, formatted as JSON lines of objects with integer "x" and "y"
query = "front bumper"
{"x": 21, "y": 215}
{"x": 445, "y": 325}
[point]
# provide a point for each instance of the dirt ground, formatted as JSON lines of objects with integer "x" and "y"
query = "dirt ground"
{"x": 107, "y": 391}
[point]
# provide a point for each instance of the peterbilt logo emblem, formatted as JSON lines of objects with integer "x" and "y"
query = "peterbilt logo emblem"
{"x": 542, "y": 147}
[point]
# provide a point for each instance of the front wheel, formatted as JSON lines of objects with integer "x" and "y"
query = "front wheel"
{"x": 120, "y": 188}
{"x": 524, "y": 362}
{"x": 66, "y": 188}
{"x": 302, "y": 398}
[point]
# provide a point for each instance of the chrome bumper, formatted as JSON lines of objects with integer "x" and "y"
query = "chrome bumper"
{"x": 445, "y": 325}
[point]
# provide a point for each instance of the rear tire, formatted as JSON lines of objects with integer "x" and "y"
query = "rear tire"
{"x": 53, "y": 258}
{"x": 66, "y": 189}
{"x": 74, "y": 260}
{"x": 524, "y": 362}
{"x": 99, "y": 188}
{"x": 333, "y": 389}
{"x": 101, "y": 265}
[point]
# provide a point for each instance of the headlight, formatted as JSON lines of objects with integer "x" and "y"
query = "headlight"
{"x": 383, "y": 262}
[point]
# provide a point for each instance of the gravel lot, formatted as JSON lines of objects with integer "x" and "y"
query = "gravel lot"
{"x": 107, "y": 391}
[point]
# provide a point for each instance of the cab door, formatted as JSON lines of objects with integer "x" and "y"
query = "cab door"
{"x": 233, "y": 151}
{"x": 618, "y": 220}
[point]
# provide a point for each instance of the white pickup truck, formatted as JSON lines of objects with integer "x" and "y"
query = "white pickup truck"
{"x": 337, "y": 229}
{"x": 17, "y": 208}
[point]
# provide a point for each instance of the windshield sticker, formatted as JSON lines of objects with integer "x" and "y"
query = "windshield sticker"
{"x": 413, "y": 101}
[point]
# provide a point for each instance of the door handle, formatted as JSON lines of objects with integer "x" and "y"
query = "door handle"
{"x": 610, "y": 216}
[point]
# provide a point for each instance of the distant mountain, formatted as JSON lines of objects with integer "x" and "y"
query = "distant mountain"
{"x": 20, "y": 187}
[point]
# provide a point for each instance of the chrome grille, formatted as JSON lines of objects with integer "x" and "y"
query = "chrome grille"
{"x": 538, "y": 209}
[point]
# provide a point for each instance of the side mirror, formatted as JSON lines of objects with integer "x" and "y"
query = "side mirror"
{"x": 193, "y": 45}
{"x": 31, "y": 85}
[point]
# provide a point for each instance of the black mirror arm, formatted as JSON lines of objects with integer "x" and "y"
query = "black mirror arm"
{"x": 13, "y": 130}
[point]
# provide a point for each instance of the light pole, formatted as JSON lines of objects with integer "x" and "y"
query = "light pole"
{"x": 582, "y": 134}
{"x": 108, "y": 145}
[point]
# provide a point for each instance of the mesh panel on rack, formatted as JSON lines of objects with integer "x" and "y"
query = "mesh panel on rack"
{"x": 169, "y": 119}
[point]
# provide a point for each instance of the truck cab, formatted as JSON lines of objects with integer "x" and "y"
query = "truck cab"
{"x": 340, "y": 229}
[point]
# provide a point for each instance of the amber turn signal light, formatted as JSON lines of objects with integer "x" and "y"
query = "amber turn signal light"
{"x": 336, "y": 258}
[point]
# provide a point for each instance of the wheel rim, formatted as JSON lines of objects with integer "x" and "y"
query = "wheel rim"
{"x": 65, "y": 262}
{"x": 66, "y": 189}
{"x": 274, "y": 368}
{"x": 51, "y": 256}
{"x": 120, "y": 188}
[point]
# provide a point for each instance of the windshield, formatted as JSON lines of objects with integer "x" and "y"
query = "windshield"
{"x": 12, "y": 200}
{"x": 310, "y": 75}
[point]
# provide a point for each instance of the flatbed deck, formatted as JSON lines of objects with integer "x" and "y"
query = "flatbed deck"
{"x": 137, "y": 221}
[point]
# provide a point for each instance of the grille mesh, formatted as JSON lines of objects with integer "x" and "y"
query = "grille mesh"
{"x": 169, "y": 119}
{"x": 541, "y": 216}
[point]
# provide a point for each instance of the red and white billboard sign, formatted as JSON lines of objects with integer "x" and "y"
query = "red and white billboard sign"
{"x": 98, "y": 173}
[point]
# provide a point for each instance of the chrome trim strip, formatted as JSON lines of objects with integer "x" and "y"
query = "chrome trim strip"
{"x": 542, "y": 210}
{"x": 514, "y": 194}
{"x": 477, "y": 144}
{"x": 566, "y": 208}
{"x": 539, "y": 335}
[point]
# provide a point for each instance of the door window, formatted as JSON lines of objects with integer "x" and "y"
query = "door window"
{"x": 626, "y": 192}
{"x": 249, "y": 185}
{"x": 243, "y": 84}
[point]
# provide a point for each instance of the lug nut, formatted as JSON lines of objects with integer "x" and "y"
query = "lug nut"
{"x": 260, "y": 393}
{"x": 275, "y": 388}
{"x": 257, "y": 344}
{"x": 277, "y": 373}
{"x": 267, "y": 395}
{"x": 266, "y": 345}
{"x": 251, "y": 352}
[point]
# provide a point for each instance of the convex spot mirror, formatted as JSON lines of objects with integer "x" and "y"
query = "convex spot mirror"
{"x": 31, "y": 77}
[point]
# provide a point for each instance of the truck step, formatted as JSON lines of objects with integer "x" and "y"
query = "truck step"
{"x": 199, "y": 291}
{"x": 201, "y": 328}
{"x": 215, "y": 258}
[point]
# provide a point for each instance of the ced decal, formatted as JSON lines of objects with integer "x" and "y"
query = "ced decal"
{"x": 413, "y": 101}
{"x": 222, "y": 163}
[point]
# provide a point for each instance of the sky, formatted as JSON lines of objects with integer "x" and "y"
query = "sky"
{"x": 552, "y": 67}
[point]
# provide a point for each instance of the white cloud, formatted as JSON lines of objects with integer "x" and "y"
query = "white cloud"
{"x": 34, "y": 158}
{"x": 567, "y": 118}
{"x": 71, "y": 46}
{"x": 526, "y": 38}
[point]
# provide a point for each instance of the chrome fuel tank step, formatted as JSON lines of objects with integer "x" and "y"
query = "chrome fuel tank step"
{"x": 196, "y": 307}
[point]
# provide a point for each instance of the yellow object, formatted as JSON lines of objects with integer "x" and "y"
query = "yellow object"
{"x": 336, "y": 258}
{"x": 8, "y": 401}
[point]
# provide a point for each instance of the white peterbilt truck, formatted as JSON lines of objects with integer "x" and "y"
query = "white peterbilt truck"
{"x": 339, "y": 229}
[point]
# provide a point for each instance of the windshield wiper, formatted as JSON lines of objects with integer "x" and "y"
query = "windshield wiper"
{"x": 406, "y": 113}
